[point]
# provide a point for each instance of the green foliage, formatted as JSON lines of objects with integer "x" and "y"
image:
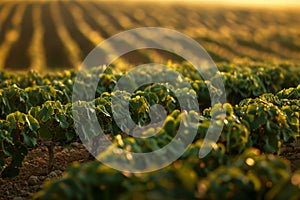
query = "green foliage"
{"x": 101, "y": 182}
{"x": 251, "y": 176}
{"x": 18, "y": 132}
{"x": 270, "y": 122}
{"x": 291, "y": 93}
{"x": 39, "y": 108}
{"x": 14, "y": 99}
{"x": 235, "y": 134}
{"x": 55, "y": 121}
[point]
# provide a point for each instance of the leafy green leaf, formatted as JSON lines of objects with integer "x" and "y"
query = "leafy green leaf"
{"x": 32, "y": 122}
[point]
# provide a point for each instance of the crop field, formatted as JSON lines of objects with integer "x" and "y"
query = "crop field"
{"x": 60, "y": 34}
{"x": 49, "y": 106}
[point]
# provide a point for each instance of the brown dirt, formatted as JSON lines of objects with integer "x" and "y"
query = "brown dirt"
{"x": 291, "y": 152}
{"x": 35, "y": 170}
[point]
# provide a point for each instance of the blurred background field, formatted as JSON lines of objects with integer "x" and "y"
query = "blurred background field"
{"x": 59, "y": 34}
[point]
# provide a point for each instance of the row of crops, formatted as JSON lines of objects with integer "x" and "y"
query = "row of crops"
{"x": 76, "y": 27}
{"x": 262, "y": 114}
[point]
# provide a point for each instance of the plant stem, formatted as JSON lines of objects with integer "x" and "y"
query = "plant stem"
{"x": 51, "y": 156}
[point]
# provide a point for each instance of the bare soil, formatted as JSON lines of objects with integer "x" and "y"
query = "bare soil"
{"x": 35, "y": 171}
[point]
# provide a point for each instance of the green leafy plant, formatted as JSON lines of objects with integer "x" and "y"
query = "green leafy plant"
{"x": 18, "y": 132}
{"x": 56, "y": 125}
{"x": 270, "y": 125}
{"x": 251, "y": 176}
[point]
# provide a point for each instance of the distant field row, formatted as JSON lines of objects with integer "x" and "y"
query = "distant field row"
{"x": 60, "y": 34}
